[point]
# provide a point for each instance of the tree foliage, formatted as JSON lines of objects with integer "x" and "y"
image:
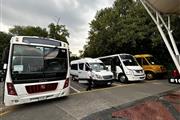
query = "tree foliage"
{"x": 29, "y": 31}
{"x": 4, "y": 40}
{"x": 124, "y": 28}
{"x": 58, "y": 32}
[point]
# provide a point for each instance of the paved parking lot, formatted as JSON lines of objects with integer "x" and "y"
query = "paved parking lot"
{"x": 82, "y": 103}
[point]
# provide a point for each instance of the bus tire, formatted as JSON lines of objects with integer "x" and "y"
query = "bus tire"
{"x": 122, "y": 78}
{"x": 150, "y": 75}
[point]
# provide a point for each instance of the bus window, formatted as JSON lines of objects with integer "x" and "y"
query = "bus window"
{"x": 128, "y": 60}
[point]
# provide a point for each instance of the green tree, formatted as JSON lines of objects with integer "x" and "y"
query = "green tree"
{"x": 58, "y": 32}
{"x": 126, "y": 28}
{"x": 29, "y": 31}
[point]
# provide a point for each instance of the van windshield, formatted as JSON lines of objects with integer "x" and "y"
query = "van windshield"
{"x": 97, "y": 66}
{"x": 128, "y": 60}
{"x": 152, "y": 61}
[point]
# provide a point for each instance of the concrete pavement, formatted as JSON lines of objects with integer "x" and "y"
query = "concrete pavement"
{"x": 83, "y": 104}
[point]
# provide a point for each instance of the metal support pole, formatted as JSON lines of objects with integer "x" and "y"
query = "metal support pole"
{"x": 157, "y": 22}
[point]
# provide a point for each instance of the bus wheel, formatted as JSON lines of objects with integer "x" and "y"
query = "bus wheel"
{"x": 122, "y": 78}
{"x": 149, "y": 75}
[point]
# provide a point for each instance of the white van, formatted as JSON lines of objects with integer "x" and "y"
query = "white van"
{"x": 80, "y": 70}
{"x": 124, "y": 67}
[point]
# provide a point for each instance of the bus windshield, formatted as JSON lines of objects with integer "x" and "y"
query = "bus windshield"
{"x": 97, "y": 66}
{"x": 37, "y": 64}
{"x": 128, "y": 60}
{"x": 152, "y": 61}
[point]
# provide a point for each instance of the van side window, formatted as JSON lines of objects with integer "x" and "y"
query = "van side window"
{"x": 74, "y": 67}
{"x": 87, "y": 67}
{"x": 139, "y": 61}
{"x": 144, "y": 61}
{"x": 81, "y": 66}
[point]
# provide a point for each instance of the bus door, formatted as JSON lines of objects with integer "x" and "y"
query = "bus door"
{"x": 113, "y": 67}
{"x": 116, "y": 66}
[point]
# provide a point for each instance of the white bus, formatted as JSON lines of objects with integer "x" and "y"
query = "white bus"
{"x": 124, "y": 67}
{"x": 35, "y": 69}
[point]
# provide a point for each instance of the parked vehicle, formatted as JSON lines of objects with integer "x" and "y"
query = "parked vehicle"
{"x": 98, "y": 73}
{"x": 35, "y": 69}
{"x": 124, "y": 67}
{"x": 151, "y": 66}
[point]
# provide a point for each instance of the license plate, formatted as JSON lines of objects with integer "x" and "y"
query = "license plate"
{"x": 42, "y": 98}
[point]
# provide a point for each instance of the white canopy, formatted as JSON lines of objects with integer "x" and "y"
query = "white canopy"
{"x": 166, "y": 6}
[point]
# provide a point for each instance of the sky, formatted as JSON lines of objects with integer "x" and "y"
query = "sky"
{"x": 75, "y": 14}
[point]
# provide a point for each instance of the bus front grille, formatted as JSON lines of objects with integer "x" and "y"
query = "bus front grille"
{"x": 41, "y": 88}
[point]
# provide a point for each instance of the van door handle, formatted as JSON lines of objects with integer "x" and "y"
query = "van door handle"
{"x": 79, "y": 72}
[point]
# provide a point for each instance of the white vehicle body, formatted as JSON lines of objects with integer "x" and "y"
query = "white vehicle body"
{"x": 80, "y": 69}
{"x": 35, "y": 69}
{"x": 124, "y": 67}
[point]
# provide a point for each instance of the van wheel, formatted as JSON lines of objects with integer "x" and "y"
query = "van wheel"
{"x": 122, "y": 78}
{"x": 73, "y": 78}
{"x": 150, "y": 75}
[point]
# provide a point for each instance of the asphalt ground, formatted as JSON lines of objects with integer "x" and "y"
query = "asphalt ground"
{"x": 82, "y": 103}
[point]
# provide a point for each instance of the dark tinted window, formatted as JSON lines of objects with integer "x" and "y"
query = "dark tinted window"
{"x": 152, "y": 61}
{"x": 116, "y": 61}
{"x": 106, "y": 61}
{"x": 144, "y": 61}
{"x": 87, "y": 67}
{"x": 74, "y": 67}
{"x": 81, "y": 65}
{"x": 128, "y": 60}
{"x": 139, "y": 61}
{"x": 41, "y": 41}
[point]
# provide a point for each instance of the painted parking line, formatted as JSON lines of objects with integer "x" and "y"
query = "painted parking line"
{"x": 75, "y": 89}
{"x": 5, "y": 112}
{"x": 95, "y": 90}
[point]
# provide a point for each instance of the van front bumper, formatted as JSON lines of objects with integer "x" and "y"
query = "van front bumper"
{"x": 136, "y": 78}
{"x": 103, "y": 82}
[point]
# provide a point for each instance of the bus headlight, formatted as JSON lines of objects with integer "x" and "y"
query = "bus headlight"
{"x": 129, "y": 72}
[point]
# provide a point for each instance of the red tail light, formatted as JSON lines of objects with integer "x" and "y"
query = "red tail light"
{"x": 11, "y": 89}
{"x": 66, "y": 84}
